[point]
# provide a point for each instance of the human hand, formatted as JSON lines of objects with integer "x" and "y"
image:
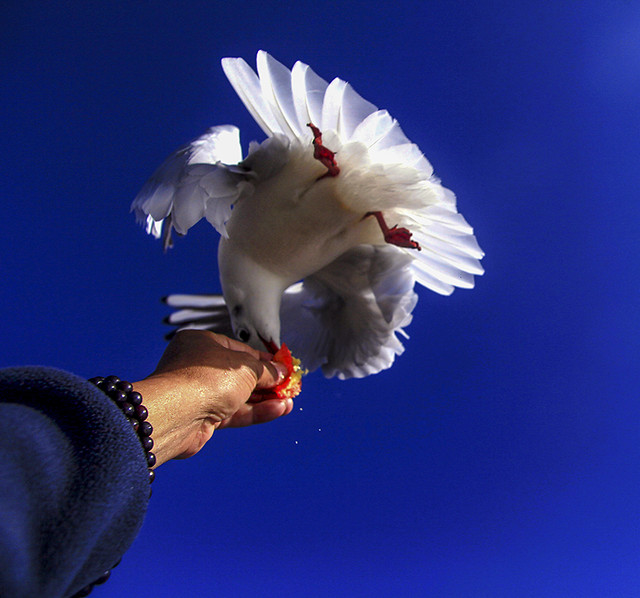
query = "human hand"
{"x": 205, "y": 381}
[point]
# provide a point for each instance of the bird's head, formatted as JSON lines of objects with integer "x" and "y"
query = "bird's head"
{"x": 251, "y": 327}
{"x": 253, "y": 297}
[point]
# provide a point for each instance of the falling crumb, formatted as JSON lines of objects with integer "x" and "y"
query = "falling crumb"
{"x": 319, "y": 429}
{"x": 300, "y": 408}
{"x": 296, "y": 442}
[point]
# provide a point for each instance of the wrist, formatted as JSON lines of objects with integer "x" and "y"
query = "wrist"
{"x": 168, "y": 413}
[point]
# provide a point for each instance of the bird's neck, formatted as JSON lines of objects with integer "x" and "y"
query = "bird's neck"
{"x": 256, "y": 287}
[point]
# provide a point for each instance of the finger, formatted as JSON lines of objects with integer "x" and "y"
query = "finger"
{"x": 236, "y": 345}
{"x": 273, "y": 373}
{"x": 258, "y": 413}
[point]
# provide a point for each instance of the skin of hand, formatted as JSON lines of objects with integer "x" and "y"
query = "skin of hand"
{"x": 203, "y": 382}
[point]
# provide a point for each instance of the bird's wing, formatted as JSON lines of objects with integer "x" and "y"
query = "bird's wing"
{"x": 450, "y": 255}
{"x": 199, "y": 312}
{"x": 198, "y": 180}
{"x": 389, "y": 173}
{"x": 284, "y": 101}
{"x": 346, "y": 317}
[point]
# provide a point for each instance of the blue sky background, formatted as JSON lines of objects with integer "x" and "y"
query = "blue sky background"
{"x": 499, "y": 456}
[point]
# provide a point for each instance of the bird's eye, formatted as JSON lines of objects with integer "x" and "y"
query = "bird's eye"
{"x": 243, "y": 335}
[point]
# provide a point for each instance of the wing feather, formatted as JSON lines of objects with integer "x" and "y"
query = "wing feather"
{"x": 308, "y": 93}
{"x": 192, "y": 183}
{"x": 465, "y": 242}
{"x": 247, "y": 85}
{"x": 354, "y": 109}
{"x": 331, "y": 105}
{"x": 408, "y": 154}
{"x": 199, "y": 312}
{"x": 275, "y": 82}
{"x": 195, "y": 301}
{"x": 346, "y": 317}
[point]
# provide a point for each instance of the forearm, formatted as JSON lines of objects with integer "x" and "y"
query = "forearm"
{"x": 75, "y": 486}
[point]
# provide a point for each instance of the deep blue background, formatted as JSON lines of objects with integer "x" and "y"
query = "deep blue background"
{"x": 499, "y": 456}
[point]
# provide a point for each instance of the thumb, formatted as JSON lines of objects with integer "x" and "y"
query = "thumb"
{"x": 273, "y": 373}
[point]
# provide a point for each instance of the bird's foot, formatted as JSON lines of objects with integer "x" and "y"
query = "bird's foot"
{"x": 323, "y": 154}
{"x": 394, "y": 235}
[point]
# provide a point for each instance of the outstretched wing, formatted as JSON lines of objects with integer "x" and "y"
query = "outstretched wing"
{"x": 450, "y": 255}
{"x": 284, "y": 101}
{"x": 346, "y": 317}
{"x": 198, "y": 180}
{"x": 388, "y": 172}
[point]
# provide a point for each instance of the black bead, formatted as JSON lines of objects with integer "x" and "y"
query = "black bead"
{"x": 128, "y": 409}
{"x": 141, "y": 413}
{"x": 145, "y": 429}
{"x": 135, "y": 398}
{"x": 124, "y": 385}
{"x": 130, "y": 402}
{"x": 103, "y": 578}
{"x": 119, "y": 396}
{"x": 108, "y": 387}
{"x": 84, "y": 591}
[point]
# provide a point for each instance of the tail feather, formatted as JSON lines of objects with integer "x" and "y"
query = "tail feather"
{"x": 198, "y": 312}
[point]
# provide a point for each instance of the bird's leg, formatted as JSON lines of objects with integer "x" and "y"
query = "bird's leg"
{"x": 325, "y": 155}
{"x": 394, "y": 235}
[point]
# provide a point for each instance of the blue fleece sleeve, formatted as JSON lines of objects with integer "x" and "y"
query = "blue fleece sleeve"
{"x": 73, "y": 483}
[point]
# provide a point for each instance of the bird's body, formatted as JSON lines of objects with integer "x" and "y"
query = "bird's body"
{"x": 306, "y": 252}
{"x": 295, "y": 224}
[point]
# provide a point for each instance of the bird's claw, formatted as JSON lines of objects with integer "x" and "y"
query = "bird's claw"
{"x": 399, "y": 236}
{"x": 323, "y": 154}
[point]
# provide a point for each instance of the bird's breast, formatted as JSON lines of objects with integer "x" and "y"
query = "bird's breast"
{"x": 295, "y": 227}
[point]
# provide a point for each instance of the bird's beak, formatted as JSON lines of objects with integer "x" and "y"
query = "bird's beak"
{"x": 269, "y": 344}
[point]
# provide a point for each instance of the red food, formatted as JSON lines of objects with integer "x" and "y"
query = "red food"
{"x": 291, "y": 386}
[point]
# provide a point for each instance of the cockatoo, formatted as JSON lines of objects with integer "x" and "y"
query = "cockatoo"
{"x": 325, "y": 226}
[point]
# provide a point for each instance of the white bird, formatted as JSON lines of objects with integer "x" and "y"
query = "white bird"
{"x": 306, "y": 254}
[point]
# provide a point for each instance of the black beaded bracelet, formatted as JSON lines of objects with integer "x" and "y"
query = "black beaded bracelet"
{"x": 130, "y": 402}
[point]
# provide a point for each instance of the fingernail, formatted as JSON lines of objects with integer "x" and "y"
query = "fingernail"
{"x": 281, "y": 369}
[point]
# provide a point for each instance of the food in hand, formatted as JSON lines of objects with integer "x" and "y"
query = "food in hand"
{"x": 291, "y": 386}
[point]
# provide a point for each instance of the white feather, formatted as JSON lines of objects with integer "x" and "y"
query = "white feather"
{"x": 195, "y": 301}
{"x": 299, "y": 257}
{"x": 191, "y": 183}
{"x": 275, "y": 82}
{"x": 354, "y": 109}
{"x": 308, "y": 94}
{"x": 247, "y": 86}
